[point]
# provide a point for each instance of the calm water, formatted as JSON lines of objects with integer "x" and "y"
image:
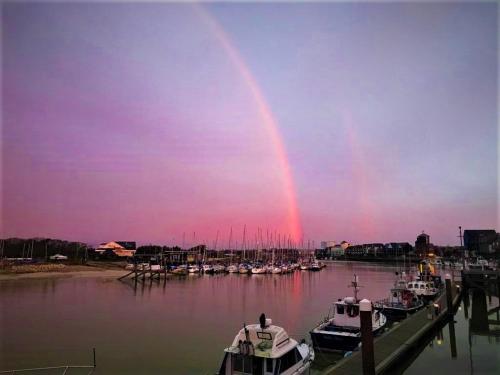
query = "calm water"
{"x": 477, "y": 341}
{"x": 177, "y": 327}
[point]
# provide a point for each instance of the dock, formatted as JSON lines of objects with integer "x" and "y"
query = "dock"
{"x": 396, "y": 343}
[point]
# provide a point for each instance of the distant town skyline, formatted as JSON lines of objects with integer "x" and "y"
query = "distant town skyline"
{"x": 326, "y": 121}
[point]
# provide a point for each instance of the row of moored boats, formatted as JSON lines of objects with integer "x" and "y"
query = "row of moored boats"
{"x": 265, "y": 348}
{"x": 242, "y": 268}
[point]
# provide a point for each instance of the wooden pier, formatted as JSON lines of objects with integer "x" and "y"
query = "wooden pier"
{"x": 391, "y": 346}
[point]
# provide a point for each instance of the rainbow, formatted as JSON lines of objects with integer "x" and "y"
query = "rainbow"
{"x": 270, "y": 123}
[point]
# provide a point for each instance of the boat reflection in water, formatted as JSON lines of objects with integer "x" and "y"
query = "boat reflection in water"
{"x": 265, "y": 349}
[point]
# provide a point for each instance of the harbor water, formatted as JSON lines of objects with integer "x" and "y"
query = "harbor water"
{"x": 181, "y": 325}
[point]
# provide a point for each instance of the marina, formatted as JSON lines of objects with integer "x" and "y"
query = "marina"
{"x": 204, "y": 316}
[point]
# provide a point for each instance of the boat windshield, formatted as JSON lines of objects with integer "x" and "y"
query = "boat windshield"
{"x": 245, "y": 364}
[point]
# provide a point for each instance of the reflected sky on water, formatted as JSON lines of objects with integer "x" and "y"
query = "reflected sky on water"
{"x": 181, "y": 326}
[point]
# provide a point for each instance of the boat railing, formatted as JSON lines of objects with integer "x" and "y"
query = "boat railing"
{"x": 64, "y": 368}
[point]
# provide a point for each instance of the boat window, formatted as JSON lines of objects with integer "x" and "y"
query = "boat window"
{"x": 288, "y": 360}
{"x": 242, "y": 363}
{"x": 264, "y": 335}
{"x": 340, "y": 309}
{"x": 269, "y": 365}
{"x": 410, "y": 285}
{"x": 422, "y": 287}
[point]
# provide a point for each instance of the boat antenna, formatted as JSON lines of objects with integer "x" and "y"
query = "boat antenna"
{"x": 262, "y": 320}
{"x": 247, "y": 334}
{"x": 355, "y": 286}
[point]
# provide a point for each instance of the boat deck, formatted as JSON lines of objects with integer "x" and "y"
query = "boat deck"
{"x": 394, "y": 343}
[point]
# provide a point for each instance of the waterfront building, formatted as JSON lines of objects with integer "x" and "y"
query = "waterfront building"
{"x": 118, "y": 248}
{"x": 481, "y": 241}
{"x": 395, "y": 249}
{"x": 327, "y": 244}
{"x": 344, "y": 245}
{"x": 422, "y": 244}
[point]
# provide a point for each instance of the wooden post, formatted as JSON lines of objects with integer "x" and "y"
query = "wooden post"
{"x": 367, "y": 350}
{"x": 453, "y": 340}
{"x": 449, "y": 296}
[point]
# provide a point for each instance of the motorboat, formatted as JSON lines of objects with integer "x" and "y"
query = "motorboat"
{"x": 401, "y": 302}
{"x": 266, "y": 349}
{"x": 423, "y": 289}
{"x": 341, "y": 329}
{"x": 193, "y": 269}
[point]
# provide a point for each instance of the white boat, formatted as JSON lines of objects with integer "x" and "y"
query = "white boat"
{"x": 275, "y": 269}
{"x": 266, "y": 349}
{"x": 342, "y": 331}
{"x": 423, "y": 289}
{"x": 193, "y": 268}
{"x": 181, "y": 270}
{"x": 478, "y": 264}
{"x": 58, "y": 257}
{"x": 315, "y": 266}
{"x": 259, "y": 269}
{"x": 232, "y": 268}
{"x": 207, "y": 268}
{"x": 219, "y": 268}
{"x": 305, "y": 266}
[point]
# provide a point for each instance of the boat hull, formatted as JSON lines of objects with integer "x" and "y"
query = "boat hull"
{"x": 337, "y": 342}
{"x": 397, "y": 314}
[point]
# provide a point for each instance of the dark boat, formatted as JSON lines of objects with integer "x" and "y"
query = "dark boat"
{"x": 342, "y": 331}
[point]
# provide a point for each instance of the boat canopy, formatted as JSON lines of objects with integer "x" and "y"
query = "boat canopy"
{"x": 269, "y": 342}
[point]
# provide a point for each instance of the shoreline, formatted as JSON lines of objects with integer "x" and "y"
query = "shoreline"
{"x": 99, "y": 273}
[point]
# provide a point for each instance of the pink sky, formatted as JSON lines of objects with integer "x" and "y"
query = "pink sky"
{"x": 340, "y": 122}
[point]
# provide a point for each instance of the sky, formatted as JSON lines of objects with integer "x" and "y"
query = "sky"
{"x": 164, "y": 122}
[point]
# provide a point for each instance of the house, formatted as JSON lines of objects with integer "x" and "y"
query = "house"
{"x": 119, "y": 248}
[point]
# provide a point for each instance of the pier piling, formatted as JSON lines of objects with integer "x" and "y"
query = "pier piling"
{"x": 365, "y": 308}
{"x": 449, "y": 296}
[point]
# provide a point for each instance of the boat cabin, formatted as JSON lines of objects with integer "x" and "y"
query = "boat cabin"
{"x": 420, "y": 287}
{"x": 264, "y": 351}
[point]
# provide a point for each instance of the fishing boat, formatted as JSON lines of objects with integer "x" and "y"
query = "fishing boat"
{"x": 266, "y": 349}
{"x": 401, "y": 302}
{"x": 423, "y": 289}
{"x": 341, "y": 330}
